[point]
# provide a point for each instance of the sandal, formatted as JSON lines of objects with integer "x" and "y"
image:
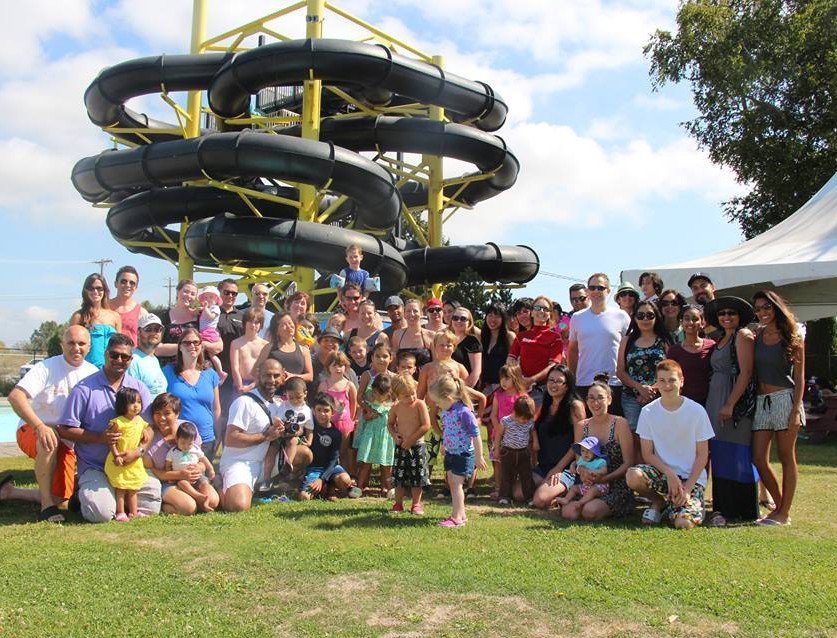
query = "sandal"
{"x": 768, "y": 504}
{"x": 651, "y": 516}
{"x": 717, "y": 520}
{"x": 51, "y": 515}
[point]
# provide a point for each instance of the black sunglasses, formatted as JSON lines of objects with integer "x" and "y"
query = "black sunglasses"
{"x": 121, "y": 356}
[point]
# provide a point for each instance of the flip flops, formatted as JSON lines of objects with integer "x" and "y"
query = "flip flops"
{"x": 772, "y": 522}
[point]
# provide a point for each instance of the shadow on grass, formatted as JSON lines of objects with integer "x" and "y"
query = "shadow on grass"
{"x": 816, "y": 454}
{"x": 360, "y": 518}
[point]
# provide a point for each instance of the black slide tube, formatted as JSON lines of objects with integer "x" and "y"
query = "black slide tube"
{"x": 348, "y": 62}
{"x": 250, "y": 155}
{"x": 504, "y": 264}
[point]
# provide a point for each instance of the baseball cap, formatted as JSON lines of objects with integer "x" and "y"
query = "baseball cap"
{"x": 330, "y": 332}
{"x": 148, "y": 320}
{"x": 394, "y": 300}
{"x": 433, "y": 302}
{"x": 699, "y": 275}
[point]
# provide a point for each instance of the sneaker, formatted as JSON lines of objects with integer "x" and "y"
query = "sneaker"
{"x": 503, "y": 501}
{"x": 451, "y": 522}
{"x": 417, "y": 510}
{"x": 355, "y": 492}
{"x": 391, "y": 493}
{"x": 397, "y": 508}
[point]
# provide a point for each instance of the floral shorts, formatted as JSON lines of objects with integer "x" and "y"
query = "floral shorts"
{"x": 693, "y": 509}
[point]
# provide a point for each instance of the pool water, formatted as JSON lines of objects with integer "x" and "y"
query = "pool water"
{"x": 8, "y": 424}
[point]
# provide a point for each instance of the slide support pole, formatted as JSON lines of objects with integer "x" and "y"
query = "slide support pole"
{"x": 185, "y": 264}
{"x": 311, "y": 97}
{"x": 435, "y": 205}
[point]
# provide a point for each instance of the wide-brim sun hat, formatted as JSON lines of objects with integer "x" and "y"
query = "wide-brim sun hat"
{"x": 626, "y": 287}
{"x": 745, "y": 311}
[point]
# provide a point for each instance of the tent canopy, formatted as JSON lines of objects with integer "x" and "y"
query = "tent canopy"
{"x": 797, "y": 258}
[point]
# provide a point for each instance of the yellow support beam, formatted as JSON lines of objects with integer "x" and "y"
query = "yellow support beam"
{"x": 435, "y": 191}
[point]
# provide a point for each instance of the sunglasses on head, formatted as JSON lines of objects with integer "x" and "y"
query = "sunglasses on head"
{"x": 120, "y": 356}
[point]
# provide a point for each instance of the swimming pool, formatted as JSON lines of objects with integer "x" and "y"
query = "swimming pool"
{"x": 8, "y": 424}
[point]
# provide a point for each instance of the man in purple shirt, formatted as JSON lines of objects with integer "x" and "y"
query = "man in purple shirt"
{"x": 87, "y": 413}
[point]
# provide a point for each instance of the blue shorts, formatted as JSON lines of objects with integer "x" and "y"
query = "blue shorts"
{"x": 461, "y": 464}
{"x": 314, "y": 473}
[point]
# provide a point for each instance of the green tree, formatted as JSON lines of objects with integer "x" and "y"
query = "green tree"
{"x": 42, "y": 334}
{"x": 503, "y": 295}
{"x": 469, "y": 290}
{"x": 763, "y": 74}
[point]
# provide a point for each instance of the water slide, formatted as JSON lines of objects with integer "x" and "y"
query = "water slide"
{"x": 144, "y": 183}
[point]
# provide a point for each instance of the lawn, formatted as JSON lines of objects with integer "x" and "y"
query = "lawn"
{"x": 349, "y": 569}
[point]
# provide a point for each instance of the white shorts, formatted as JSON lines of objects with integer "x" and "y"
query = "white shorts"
{"x": 773, "y": 411}
{"x": 241, "y": 473}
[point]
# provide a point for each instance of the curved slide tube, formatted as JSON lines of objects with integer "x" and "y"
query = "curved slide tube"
{"x": 250, "y": 155}
{"x": 504, "y": 264}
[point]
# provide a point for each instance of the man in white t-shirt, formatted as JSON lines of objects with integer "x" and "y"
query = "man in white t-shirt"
{"x": 38, "y": 399}
{"x": 145, "y": 366}
{"x": 674, "y": 433}
{"x": 254, "y": 422}
{"x": 595, "y": 334}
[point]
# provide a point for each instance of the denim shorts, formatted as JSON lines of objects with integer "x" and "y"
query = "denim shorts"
{"x": 461, "y": 464}
{"x": 314, "y": 473}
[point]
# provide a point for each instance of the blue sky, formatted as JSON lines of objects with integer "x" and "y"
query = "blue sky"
{"x": 609, "y": 180}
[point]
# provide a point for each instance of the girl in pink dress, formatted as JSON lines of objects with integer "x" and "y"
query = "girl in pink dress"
{"x": 344, "y": 394}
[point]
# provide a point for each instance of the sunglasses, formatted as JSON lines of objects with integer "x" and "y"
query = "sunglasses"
{"x": 459, "y": 318}
{"x": 669, "y": 304}
{"x": 347, "y": 298}
{"x": 578, "y": 299}
{"x": 624, "y": 294}
{"x": 230, "y": 293}
{"x": 643, "y": 316}
{"x": 763, "y": 307}
{"x": 597, "y": 288}
{"x": 128, "y": 282}
{"x": 94, "y": 289}
{"x": 541, "y": 308}
{"x": 120, "y": 356}
{"x": 434, "y": 310}
{"x": 153, "y": 329}
{"x": 190, "y": 343}
{"x": 727, "y": 313}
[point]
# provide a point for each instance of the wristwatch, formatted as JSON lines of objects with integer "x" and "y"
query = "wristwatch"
{"x": 141, "y": 450}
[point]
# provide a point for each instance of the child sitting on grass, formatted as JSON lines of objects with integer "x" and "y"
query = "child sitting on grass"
{"x": 461, "y": 441}
{"x": 408, "y": 422}
{"x": 674, "y": 433}
{"x": 185, "y": 454}
{"x": 514, "y": 439}
{"x": 588, "y": 456}
{"x": 325, "y": 476}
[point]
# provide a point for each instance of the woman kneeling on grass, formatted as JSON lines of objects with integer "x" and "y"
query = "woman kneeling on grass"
{"x": 617, "y": 445}
{"x": 165, "y": 417}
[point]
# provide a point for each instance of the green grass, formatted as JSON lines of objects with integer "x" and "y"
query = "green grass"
{"x": 348, "y": 569}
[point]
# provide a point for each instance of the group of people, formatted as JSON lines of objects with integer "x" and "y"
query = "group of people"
{"x": 584, "y": 411}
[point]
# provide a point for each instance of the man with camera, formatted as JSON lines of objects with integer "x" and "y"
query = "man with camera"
{"x": 255, "y": 421}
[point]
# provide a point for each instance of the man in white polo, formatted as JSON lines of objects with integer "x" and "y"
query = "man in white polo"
{"x": 39, "y": 399}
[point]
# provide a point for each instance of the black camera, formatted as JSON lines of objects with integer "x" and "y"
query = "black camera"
{"x": 292, "y": 421}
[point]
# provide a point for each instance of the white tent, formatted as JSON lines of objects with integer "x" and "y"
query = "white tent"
{"x": 797, "y": 258}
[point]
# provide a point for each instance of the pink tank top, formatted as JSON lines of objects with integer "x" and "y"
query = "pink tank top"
{"x": 505, "y": 403}
{"x": 129, "y": 322}
{"x": 343, "y": 420}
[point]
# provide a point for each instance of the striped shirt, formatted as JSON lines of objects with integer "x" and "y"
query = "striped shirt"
{"x": 516, "y": 434}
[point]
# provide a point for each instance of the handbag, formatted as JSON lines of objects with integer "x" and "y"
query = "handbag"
{"x": 745, "y": 407}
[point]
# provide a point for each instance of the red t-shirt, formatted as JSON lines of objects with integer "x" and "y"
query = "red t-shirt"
{"x": 536, "y": 348}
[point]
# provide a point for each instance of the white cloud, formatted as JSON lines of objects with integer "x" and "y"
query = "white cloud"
{"x": 657, "y": 102}
{"x": 40, "y": 314}
{"x": 570, "y": 180}
{"x": 30, "y": 24}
